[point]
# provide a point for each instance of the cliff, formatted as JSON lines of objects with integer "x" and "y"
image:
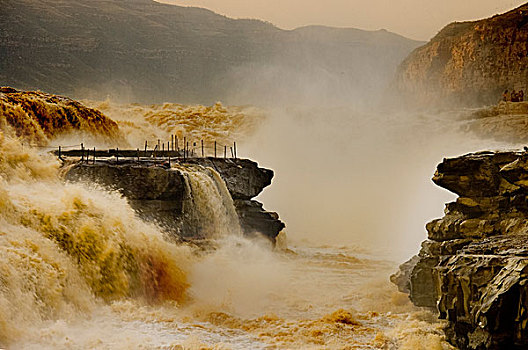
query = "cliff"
{"x": 144, "y": 51}
{"x": 469, "y": 63}
{"x": 474, "y": 266}
{"x": 159, "y": 193}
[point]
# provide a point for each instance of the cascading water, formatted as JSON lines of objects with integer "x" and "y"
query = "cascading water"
{"x": 208, "y": 208}
{"x": 62, "y": 252}
{"x": 79, "y": 270}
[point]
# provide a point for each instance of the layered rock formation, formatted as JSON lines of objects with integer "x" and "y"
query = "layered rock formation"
{"x": 474, "y": 267}
{"x": 469, "y": 63}
{"x": 159, "y": 193}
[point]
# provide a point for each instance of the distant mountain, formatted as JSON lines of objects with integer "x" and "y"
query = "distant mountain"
{"x": 469, "y": 63}
{"x": 150, "y": 52}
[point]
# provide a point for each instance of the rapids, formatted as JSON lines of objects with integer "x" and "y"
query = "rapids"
{"x": 79, "y": 269}
{"x": 74, "y": 274}
{"x": 140, "y": 123}
{"x": 63, "y": 251}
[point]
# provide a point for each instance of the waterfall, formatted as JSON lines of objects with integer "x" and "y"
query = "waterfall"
{"x": 65, "y": 248}
{"x": 208, "y": 209}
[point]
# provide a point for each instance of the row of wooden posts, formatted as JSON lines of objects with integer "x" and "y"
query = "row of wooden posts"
{"x": 172, "y": 146}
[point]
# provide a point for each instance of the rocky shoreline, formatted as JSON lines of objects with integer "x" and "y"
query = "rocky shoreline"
{"x": 473, "y": 269}
{"x": 158, "y": 192}
{"x": 505, "y": 121}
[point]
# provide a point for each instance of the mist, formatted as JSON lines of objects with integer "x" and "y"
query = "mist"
{"x": 349, "y": 169}
{"x": 352, "y": 168}
{"x": 87, "y": 262}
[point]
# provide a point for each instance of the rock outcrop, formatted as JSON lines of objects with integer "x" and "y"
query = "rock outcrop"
{"x": 469, "y": 63}
{"x": 474, "y": 267}
{"x": 159, "y": 193}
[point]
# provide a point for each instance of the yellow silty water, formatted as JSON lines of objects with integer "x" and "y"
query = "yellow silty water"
{"x": 79, "y": 270}
{"x": 65, "y": 247}
{"x": 208, "y": 206}
{"x": 223, "y": 124}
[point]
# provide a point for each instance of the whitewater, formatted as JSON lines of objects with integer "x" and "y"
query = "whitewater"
{"x": 80, "y": 270}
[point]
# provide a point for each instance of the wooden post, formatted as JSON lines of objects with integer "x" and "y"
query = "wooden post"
{"x": 172, "y": 142}
{"x": 234, "y": 149}
{"x": 145, "y": 148}
{"x": 215, "y": 149}
{"x": 225, "y": 151}
{"x": 82, "y": 152}
{"x": 202, "y": 149}
{"x": 159, "y": 145}
{"x": 184, "y": 145}
{"x": 162, "y": 148}
{"x": 59, "y": 152}
{"x": 232, "y": 155}
{"x": 176, "y": 142}
{"x": 138, "y": 154}
{"x": 94, "y": 155}
{"x": 168, "y": 146}
{"x": 117, "y": 155}
{"x": 169, "y": 160}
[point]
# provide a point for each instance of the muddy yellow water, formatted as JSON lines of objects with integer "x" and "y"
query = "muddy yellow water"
{"x": 79, "y": 270}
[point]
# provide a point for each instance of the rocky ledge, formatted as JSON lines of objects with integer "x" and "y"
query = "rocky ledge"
{"x": 474, "y": 266}
{"x": 158, "y": 193}
{"x": 506, "y": 121}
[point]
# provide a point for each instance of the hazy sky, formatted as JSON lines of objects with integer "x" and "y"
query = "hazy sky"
{"x": 417, "y": 19}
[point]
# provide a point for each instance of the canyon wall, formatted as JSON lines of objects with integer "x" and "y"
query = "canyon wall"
{"x": 468, "y": 63}
{"x": 473, "y": 269}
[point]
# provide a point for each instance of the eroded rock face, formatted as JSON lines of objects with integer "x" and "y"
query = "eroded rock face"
{"x": 468, "y": 63}
{"x": 254, "y": 219}
{"x": 474, "y": 267}
{"x": 154, "y": 193}
{"x": 158, "y": 193}
{"x": 243, "y": 177}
